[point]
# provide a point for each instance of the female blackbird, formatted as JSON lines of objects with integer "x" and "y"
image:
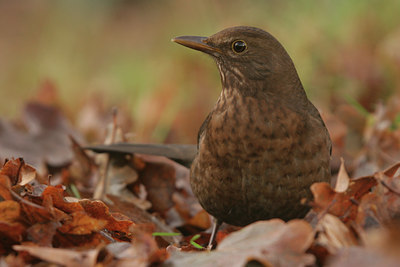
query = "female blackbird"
{"x": 264, "y": 143}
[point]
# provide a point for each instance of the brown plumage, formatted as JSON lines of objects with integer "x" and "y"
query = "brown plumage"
{"x": 264, "y": 143}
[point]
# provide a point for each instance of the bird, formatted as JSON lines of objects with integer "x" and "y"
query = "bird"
{"x": 264, "y": 143}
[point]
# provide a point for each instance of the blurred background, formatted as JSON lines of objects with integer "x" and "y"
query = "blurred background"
{"x": 96, "y": 54}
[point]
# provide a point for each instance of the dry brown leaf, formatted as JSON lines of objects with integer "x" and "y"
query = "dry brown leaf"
{"x": 45, "y": 141}
{"x": 391, "y": 171}
{"x": 11, "y": 231}
{"x": 273, "y": 243}
{"x": 338, "y": 204}
{"x": 81, "y": 224}
{"x": 186, "y": 207}
{"x": 27, "y": 174}
{"x": 140, "y": 217}
{"x": 381, "y": 248}
{"x": 9, "y": 211}
{"x": 99, "y": 210}
{"x": 42, "y": 233}
{"x": 34, "y": 213}
{"x": 201, "y": 220}
{"x": 333, "y": 234}
{"x": 48, "y": 133}
{"x": 159, "y": 180}
{"x": 358, "y": 256}
{"x": 385, "y": 239}
{"x": 392, "y": 201}
{"x": 5, "y": 187}
{"x": 56, "y": 193}
{"x": 360, "y": 186}
{"x": 119, "y": 177}
{"x": 382, "y": 205}
{"x": 12, "y": 260}
{"x": 18, "y": 171}
{"x": 343, "y": 180}
{"x": 343, "y": 205}
{"x": 35, "y": 190}
{"x": 142, "y": 251}
{"x": 370, "y": 212}
{"x": 64, "y": 257}
{"x": 93, "y": 240}
{"x": 116, "y": 174}
{"x": 12, "y": 169}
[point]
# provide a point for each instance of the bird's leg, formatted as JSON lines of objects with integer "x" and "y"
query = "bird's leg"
{"x": 216, "y": 224}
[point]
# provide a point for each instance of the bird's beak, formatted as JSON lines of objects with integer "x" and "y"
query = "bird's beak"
{"x": 197, "y": 43}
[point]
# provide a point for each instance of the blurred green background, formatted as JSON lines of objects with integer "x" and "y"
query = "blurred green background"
{"x": 120, "y": 52}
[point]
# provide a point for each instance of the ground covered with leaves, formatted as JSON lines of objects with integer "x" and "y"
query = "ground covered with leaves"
{"x": 77, "y": 207}
{"x": 65, "y": 63}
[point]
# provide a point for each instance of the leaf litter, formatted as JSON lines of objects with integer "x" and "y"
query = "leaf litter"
{"x": 138, "y": 210}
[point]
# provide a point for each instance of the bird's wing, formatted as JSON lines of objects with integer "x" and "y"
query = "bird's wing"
{"x": 316, "y": 115}
{"x": 203, "y": 128}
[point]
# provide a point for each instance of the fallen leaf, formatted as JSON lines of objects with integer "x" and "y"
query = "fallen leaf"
{"x": 45, "y": 141}
{"x": 159, "y": 180}
{"x": 89, "y": 241}
{"x": 34, "y": 213}
{"x": 358, "y": 256}
{"x": 27, "y": 174}
{"x": 12, "y": 260}
{"x": 9, "y": 211}
{"x": 341, "y": 204}
{"x": 273, "y": 243}
{"x": 11, "y": 232}
{"x": 140, "y": 217}
{"x": 360, "y": 186}
{"x": 81, "y": 224}
{"x": 327, "y": 200}
{"x": 64, "y": 257}
{"x": 343, "y": 180}
{"x": 370, "y": 214}
{"x": 333, "y": 234}
{"x": 99, "y": 210}
{"x": 56, "y": 194}
{"x": 42, "y": 233}
{"x": 142, "y": 251}
{"x": 201, "y": 220}
{"x": 391, "y": 171}
{"x": 12, "y": 169}
{"x": 5, "y": 187}
{"x": 385, "y": 239}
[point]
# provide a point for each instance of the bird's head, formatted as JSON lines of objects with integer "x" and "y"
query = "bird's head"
{"x": 246, "y": 55}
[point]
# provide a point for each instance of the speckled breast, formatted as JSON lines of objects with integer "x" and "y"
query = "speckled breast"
{"x": 257, "y": 160}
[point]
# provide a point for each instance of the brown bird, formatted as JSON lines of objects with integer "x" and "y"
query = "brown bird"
{"x": 264, "y": 143}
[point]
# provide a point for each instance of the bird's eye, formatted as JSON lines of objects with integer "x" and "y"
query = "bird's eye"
{"x": 239, "y": 46}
